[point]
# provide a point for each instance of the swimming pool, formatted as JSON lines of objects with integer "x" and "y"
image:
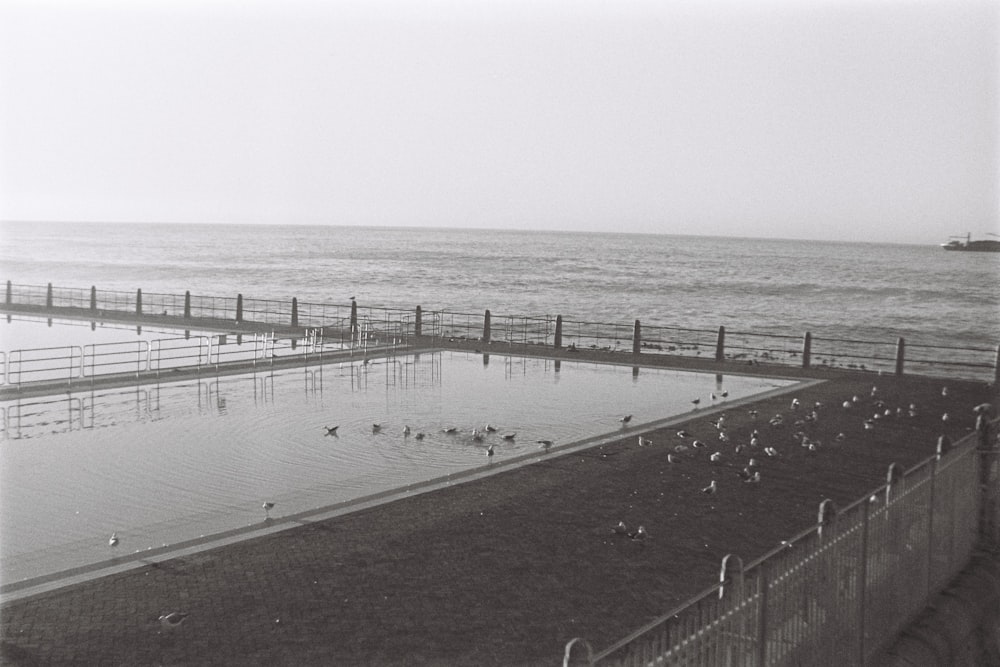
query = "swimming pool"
{"x": 161, "y": 464}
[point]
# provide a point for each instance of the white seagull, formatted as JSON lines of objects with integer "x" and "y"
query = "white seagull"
{"x": 267, "y": 508}
{"x": 172, "y": 620}
{"x": 710, "y": 489}
{"x": 113, "y": 540}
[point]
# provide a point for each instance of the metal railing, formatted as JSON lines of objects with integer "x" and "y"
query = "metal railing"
{"x": 836, "y": 593}
{"x": 805, "y": 350}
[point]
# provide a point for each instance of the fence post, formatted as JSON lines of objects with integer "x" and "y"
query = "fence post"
{"x": 239, "y": 308}
{"x": 996, "y": 366}
{"x": 636, "y": 338}
{"x": 806, "y": 349}
{"x": 187, "y": 305}
{"x": 900, "y": 354}
{"x": 558, "y": 339}
{"x": 48, "y": 296}
{"x": 93, "y": 297}
{"x": 354, "y": 318}
{"x": 295, "y": 312}
{"x": 138, "y": 302}
{"x": 989, "y": 459}
{"x": 10, "y": 293}
{"x": 863, "y": 582}
{"x": 720, "y": 345}
{"x": 486, "y": 326}
{"x": 418, "y": 322}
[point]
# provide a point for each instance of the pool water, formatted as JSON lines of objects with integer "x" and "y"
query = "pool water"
{"x": 159, "y": 464}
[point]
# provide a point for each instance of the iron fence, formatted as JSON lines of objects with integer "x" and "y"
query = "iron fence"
{"x": 341, "y": 321}
{"x": 836, "y": 593}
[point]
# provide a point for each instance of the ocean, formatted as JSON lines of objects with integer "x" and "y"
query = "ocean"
{"x": 839, "y": 290}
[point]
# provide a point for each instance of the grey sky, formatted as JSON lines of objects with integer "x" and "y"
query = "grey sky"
{"x": 825, "y": 119}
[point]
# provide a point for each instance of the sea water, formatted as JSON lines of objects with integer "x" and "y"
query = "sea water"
{"x": 837, "y": 290}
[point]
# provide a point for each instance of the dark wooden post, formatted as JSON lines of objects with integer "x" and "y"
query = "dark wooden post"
{"x": 354, "y": 318}
{"x": 138, "y": 302}
{"x": 187, "y": 304}
{"x": 48, "y": 296}
{"x": 418, "y": 322}
{"x": 239, "y": 307}
{"x": 900, "y": 354}
{"x": 806, "y": 349}
{"x": 558, "y": 341}
{"x": 295, "y": 312}
{"x": 93, "y": 297}
{"x": 720, "y": 345}
{"x": 486, "y": 326}
{"x": 10, "y": 292}
{"x": 636, "y": 337}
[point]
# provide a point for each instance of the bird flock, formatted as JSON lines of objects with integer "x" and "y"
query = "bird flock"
{"x": 799, "y": 428}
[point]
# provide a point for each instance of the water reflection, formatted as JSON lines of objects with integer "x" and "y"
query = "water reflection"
{"x": 170, "y": 462}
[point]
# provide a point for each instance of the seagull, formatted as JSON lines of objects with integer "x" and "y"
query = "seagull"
{"x": 745, "y": 474}
{"x": 983, "y": 409}
{"x": 770, "y": 451}
{"x": 671, "y": 458}
{"x": 626, "y": 419}
{"x": 945, "y": 417}
{"x": 713, "y": 396}
{"x": 869, "y": 424}
{"x": 420, "y": 436}
{"x": 683, "y": 434}
{"x": 489, "y": 451}
{"x": 752, "y": 463}
{"x": 753, "y": 414}
{"x": 944, "y": 391}
{"x": 710, "y": 489}
{"x": 697, "y": 444}
{"x": 847, "y": 404}
{"x": 716, "y": 457}
{"x": 544, "y": 443}
{"x": 509, "y": 436}
{"x": 695, "y": 402}
{"x": 376, "y": 428}
{"x": 644, "y": 441}
{"x": 639, "y": 534}
{"x": 450, "y": 429}
{"x": 477, "y": 436}
{"x": 332, "y": 430}
{"x": 724, "y": 394}
{"x": 113, "y": 540}
{"x": 621, "y": 528}
{"x": 754, "y": 478}
{"x": 267, "y": 508}
{"x": 795, "y": 403}
{"x": 840, "y": 437}
{"x": 172, "y": 620}
{"x": 406, "y": 430}
{"x": 491, "y": 429}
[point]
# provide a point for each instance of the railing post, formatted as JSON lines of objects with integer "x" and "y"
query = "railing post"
{"x": 486, "y": 326}
{"x": 636, "y": 338}
{"x": 10, "y": 292}
{"x": 187, "y": 304}
{"x": 48, "y": 296}
{"x": 354, "y": 318}
{"x": 900, "y": 354}
{"x": 295, "y": 312}
{"x": 996, "y": 368}
{"x": 418, "y": 322}
{"x": 138, "y": 302}
{"x": 806, "y": 349}
{"x": 863, "y": 582}
{"x": 239, "y": 308}
{"x": 93, "y": 297}
{"x": 720, "y": 345}
{"x": 558, "y": 337}
{"x": 989, "y": 461}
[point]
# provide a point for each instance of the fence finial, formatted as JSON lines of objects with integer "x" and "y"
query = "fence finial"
{"x": 586, "y": 659}
{"x": 731, "y": 576}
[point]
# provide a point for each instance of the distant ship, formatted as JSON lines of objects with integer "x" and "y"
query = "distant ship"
{"x": 986, "y": 245}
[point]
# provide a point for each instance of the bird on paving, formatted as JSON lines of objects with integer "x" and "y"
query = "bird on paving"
{"x": 639, "y": 534}
{"x": 710, "y": 489}
{"x": 331, "y": 430}
{"x": 620, "y": 529}
{"x": 626, "y": 419}
{"x": 267, "y": 508}
{"x": 113, "y": 540}
{"x": 172, "y": 621}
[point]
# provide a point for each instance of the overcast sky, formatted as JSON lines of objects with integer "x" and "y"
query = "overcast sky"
{"x": 825, "y": 119}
